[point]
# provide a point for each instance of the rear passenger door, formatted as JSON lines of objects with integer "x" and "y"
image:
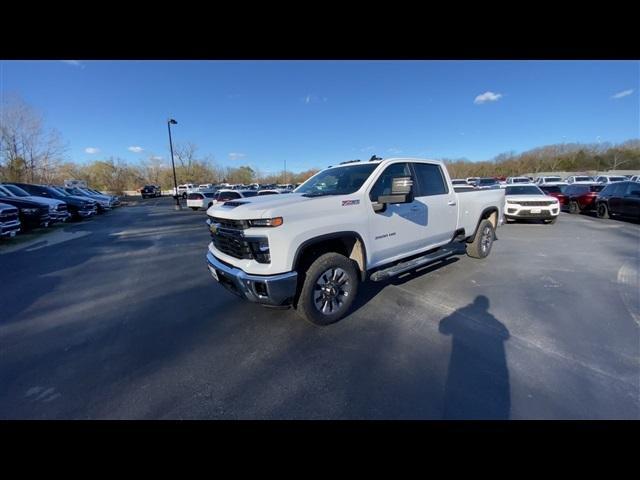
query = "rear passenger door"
{"x": 440, "y": 203}
{"x": 631, "y": 200}
{"x": 615, "y": 194}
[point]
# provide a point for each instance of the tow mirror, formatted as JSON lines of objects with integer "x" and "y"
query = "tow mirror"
{"x": 401, "y": 191}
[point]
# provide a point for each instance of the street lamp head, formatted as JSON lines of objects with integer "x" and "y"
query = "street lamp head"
{"x": 172, "y": 121}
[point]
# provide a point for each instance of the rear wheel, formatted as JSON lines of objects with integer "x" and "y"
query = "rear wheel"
{"x": 603, "y": 211}
{"x": 329, "y": 288}
{"x": 194, "y": 208}
{"x": 574, "y": 207}
{"x": 481, "y": 245}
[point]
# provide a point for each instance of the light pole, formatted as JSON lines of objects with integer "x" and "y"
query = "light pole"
{"x": 170, "y": 122}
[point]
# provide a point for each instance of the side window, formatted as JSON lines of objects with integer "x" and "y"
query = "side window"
{"x": 633, "y": 189}
{"x": 383, "y": 184}
{"x": 430, "y": 180}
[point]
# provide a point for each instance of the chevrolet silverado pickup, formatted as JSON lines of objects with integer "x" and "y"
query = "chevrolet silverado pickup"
{"x": 347, "y": 224}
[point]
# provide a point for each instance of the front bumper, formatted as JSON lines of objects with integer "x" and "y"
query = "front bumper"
{"x": 274, "y": 290}
{"x": 518, "y": 211}
{"x": 57, "y": 216}
{"x": 88, "y": 212}
{"x": 9, "y": 228}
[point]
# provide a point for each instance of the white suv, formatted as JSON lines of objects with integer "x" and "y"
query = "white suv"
{"x": 528, "y": 201}
{"x": 610, "y": 178}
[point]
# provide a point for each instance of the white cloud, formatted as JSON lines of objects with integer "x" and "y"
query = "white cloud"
{"x": 91, "y": 150}
{"x": 394, "y": 151}
{"x": 312, "y": 98}
{"x": 135, "y": 149}
{"x": 487, "y": 97}
{"x": 236, "y": 155}
{"x": 156, "y": 157}
{"x": 623, "y": 93}
{"x": 73, "y": 63}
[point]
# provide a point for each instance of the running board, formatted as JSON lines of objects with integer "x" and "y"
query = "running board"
{"x": 402, "y": 267}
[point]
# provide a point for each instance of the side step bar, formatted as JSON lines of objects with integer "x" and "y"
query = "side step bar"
{"x": 402, "y": 267}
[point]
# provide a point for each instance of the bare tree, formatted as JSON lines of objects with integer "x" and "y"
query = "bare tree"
{"x": 27, "y": 150}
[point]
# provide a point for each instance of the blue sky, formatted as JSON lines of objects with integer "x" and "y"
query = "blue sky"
{"x": 317, "y": 113}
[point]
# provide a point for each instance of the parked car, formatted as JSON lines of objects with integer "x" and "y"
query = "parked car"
{"x": 548, "y": 180}
{"x": 58, "y": 211}
{"x": 79, "y": 207}
{"x": 635, "y": 178}
{"x": 32, "y": 213}
{"x": 346, "y": 224}
{"x": 619, "y": 198}
{"x": 472, "y": 180}
{"x": 606, "y": 179}
{"x": 150, "y": 191}
{"x": 459, "y": 181}
{"x": 579, "y": 179}
{"x": 105, "y": 202}
{"x": 9, "y": 220}
{"x": 527, "y": 202}
{"x": 485, "y": 183}
{"x": 228, "y": 194}
{"x": 581, "y": 197}
{"x": 516, "y": 180}
{"x": 185, "y": 189}
{"x": 195, "y": 201}
{"x": 556, "y": 191}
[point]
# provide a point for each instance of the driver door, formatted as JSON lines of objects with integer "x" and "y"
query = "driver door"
{"x": 399, "y": 229}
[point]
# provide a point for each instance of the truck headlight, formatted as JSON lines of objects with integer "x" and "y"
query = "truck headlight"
{"x": 260, "y": 249}
{"x": 266, "y": 222}
{"x": 512, "y": 202}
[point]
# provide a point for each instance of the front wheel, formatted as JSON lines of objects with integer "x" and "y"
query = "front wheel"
{"x": 329, "y": 288}
{"x": 574, "y": 207}
{"x": 481, "y": 245}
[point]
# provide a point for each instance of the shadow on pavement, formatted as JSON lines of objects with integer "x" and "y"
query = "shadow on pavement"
{"x": 477, "y": 385}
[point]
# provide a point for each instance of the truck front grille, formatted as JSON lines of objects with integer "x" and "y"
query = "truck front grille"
{"x": 8, "y": 215}
{"x": 541, "y": 203}
{"x": 232, "y": 243}
{"x": 231, "y": 224}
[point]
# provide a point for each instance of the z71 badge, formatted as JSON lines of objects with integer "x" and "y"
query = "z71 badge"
{"x": 346, "y": 203}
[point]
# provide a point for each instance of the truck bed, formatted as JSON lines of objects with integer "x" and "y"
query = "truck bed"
{"x": 471, "y": 204}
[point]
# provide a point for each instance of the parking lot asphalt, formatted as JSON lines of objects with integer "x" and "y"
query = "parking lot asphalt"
{"x": 118, "y": 318}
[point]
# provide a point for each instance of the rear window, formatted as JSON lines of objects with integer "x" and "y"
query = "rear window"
{"x": 267, "y": 193}
{"x": 430, "y": 180}
{"x": 553, "y": 189}
{"x": 521, "y": 180}
{"x": 250, "y": 193}
{"x": 224, "y": 196}
{"x": 596, "y": 188}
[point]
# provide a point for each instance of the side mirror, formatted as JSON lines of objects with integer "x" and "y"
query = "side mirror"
{"x": 401, "y": 191}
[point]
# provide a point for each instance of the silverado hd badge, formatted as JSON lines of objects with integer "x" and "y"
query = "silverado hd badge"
{"x": 346, "y": 203}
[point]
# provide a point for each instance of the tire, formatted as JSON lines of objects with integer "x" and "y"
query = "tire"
{"x": 574, "y": 207}
{"x": 603, "y": 211}
{"x": 341, "y": 279}
{"x": 184, "y": 196}
{"x": 481, "y": 245}
{"x": 195, "y": 209}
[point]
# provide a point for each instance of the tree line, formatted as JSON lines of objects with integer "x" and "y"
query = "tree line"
{"x": 29, "y": 152}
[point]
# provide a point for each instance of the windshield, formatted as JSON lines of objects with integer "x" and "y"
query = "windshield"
{"x": 521, "y": 180}
{"x": 337, "y": 181}
{"x": 552, "y": 179}
{"x": 16, "y": 190}
{"x": 617, "y": 179}
{"x": 554, "y": 189}
{"x": 523, "y": 190}
{"x": 583, "y": 179}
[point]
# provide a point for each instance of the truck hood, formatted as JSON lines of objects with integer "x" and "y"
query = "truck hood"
{"x": 267, "y": 206}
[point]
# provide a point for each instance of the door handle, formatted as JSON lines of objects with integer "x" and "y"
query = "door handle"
{"x": 451, "y": 203}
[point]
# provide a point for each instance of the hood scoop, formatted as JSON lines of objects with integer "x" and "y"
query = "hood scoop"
{"x": 233, "y": 203}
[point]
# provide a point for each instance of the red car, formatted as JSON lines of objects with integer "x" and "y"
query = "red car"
{"x": 556, "y": 191}
{"x": 582, "y": 197}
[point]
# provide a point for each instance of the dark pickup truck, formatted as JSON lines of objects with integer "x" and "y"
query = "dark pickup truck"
{"x": 9, "y": 220}
{"x": 150, "y": 191}
{"x": 32, "y": 214}
{"x": 79, "y": 207}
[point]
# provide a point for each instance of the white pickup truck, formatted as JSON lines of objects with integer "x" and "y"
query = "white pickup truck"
{"x": 347, "y": 224}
